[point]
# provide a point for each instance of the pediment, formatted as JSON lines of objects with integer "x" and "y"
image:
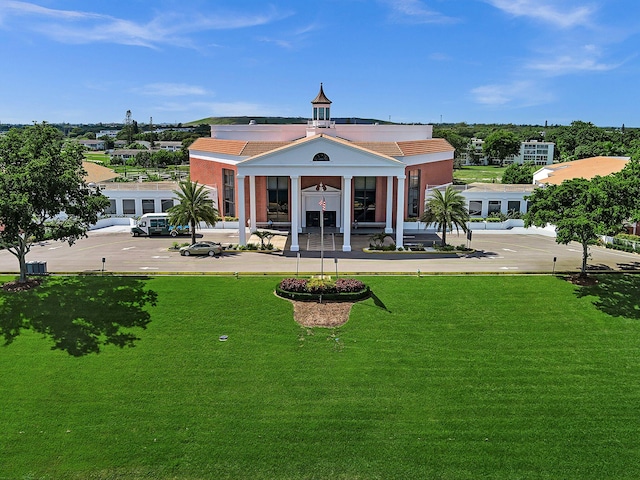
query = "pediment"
{"x": 323, "y": 152}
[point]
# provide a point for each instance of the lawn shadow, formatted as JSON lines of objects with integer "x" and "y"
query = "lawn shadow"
{"x": 80, "y": 314}
{"x": 616, "y": 295}
{"x": 378, "y": 302}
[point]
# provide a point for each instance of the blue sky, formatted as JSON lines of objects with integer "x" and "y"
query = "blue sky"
{"x": 474, "y": 61}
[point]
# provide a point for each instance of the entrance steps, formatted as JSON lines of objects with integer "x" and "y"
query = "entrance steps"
{"x": 314, "y": 242}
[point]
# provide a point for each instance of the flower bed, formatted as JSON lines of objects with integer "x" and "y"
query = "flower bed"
{"x": 314, "y": 289}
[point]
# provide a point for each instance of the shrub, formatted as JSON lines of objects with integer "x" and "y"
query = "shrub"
{"x": 298, "y": 285}
{"x": 320, "y": 285}
{"x": 349, "y": 285}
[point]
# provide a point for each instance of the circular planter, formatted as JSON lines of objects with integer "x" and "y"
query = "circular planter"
{"x": 333, "y": 297}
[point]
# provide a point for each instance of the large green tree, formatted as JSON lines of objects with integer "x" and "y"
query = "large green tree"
{"x": 446, "y": 210}
{"x": 500, "y": 144}
{"x": 581, "y": 210}
{"x": 521, "y": 174}
{"x": 43, "y": 192}
{"x": 195, "y": 206}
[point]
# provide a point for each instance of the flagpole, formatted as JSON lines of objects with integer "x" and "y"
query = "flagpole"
{"x": 322, "y": 242}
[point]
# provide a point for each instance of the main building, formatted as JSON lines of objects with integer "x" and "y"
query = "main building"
{"x": 356, "y": 175}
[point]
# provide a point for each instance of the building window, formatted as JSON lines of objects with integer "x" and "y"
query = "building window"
{"x": 229, "y": 193}
{"x": 111, "y": 209}
{"x": 128, "y": 207}
{"x": 166, "y": 203}
{"x": 494, "y": 206}
{"x": 513, "y": 206}
{"x": 475, "y": 208}
{"x": 321, "y": 157}
{"x": 278, "y": 199}
{"x": 148, "y": 206}
{"x": 364, "y": 201}
{"x": 413, "y": 194}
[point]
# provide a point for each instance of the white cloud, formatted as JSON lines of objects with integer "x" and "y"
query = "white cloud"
{"x": 554, "y": 12}
{"x": 585, "y": 59}
{"x": 171, "y": 90}
{"x": 415, "y": 11}
{"x": 78, "y": 27}
{"x": 520, "y": 93}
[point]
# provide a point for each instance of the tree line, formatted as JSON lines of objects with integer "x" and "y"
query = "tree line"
{"x": 572, "y": 142}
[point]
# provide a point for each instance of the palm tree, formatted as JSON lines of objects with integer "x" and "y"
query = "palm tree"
{"x": 446, "y": 210}
{"x": 195, "y": 206}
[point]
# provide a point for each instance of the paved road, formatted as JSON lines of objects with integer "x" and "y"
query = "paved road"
{"x": 504, "y": 253}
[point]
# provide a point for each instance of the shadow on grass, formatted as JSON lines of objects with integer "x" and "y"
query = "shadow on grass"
{"x": 378, "y": 302}
{"x": 616, "y": 295}
{"x": 80, "y": 314}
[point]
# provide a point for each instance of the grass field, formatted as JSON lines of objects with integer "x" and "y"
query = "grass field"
{"x": 435, "y": 377}
{"x": 479, "y": 173}
{"x": 97, "y": 157}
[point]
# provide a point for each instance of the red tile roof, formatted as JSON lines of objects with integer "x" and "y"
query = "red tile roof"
{"x": 215, "y": 145}
{"x": 244, "y": 148}
{"x": 586, "y": 168}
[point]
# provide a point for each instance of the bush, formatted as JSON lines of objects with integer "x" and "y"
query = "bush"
{"x": 294, "y": 285}
{"x": 343, "y": 289}
{"x": 320, "y": 285}
{"x": 349, "y": 285}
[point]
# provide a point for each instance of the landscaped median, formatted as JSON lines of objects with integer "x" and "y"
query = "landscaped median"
{"x": 409, "y": 249}
{"x": 317, "y": 289}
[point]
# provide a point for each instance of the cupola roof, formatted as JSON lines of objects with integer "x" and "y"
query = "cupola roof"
{"x": 321, "y": 97}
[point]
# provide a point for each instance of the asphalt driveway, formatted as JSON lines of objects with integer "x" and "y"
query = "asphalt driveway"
{"x": 494, "y": 253}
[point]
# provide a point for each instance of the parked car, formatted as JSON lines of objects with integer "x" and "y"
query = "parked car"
{"x": 202, "y": 248}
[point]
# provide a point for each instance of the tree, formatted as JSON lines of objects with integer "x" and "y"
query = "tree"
{"x": 500, "y": 144}
{"x": 446, "y": 210}
{"x": 195, "y": 206}
{"x": 43, "y": 192}
{"x": 516, "y": 173}
{"x": 580, "y": 209}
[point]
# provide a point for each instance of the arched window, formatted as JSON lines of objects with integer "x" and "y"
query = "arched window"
{"x": 321, "y": 157}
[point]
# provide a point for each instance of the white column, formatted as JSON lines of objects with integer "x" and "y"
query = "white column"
{"x": 242, "y": 216}
{"x": 400, "y": 212}
{"x": 294, "y": 212}
{"x": 389, "y": 212}
{"x": 252, "y": 203}
{"x": 346, "y": 217}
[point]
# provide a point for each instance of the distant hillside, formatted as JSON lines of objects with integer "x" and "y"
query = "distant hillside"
{"x": 277, "y": 121}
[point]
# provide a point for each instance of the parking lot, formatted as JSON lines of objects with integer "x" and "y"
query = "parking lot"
{"x": 494, "y": 253}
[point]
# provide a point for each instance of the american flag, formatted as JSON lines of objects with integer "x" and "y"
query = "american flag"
{"x": 323, "y": 204}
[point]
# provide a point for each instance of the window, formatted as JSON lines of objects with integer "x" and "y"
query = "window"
{"x": 475, "y": 208}
{"x": 321, "y": 157}
{"x": 111, "y": 209}
{"x": 494, "y": 206}
{"x": 167, "y": 203}
{"x": 278, "y": 199}
{"x": 148, "y": 205}
{"x": 413, "y": 194}
{"x": 229, "y": 192}
{"x": 129, "y": 207}
{"x": 513, "y": 206}
{"x": 364, "y": 201}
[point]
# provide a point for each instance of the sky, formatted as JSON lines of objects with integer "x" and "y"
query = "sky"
{"x": 408, "y": 61}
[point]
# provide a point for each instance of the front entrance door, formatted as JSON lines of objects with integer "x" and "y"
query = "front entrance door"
{"x": 313, "y": 219}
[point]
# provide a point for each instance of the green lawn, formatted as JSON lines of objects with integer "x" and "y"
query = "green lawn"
{"x": 96, "y": 157}
{"x": 436, "y": 377}
{"x": 479, "y": 173}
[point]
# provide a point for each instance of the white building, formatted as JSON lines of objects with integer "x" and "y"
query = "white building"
{"x": 368, "y": 175}
{"x": 532, "y": 151}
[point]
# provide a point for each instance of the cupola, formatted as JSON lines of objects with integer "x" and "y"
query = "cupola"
{"x": 321, "y": 110}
